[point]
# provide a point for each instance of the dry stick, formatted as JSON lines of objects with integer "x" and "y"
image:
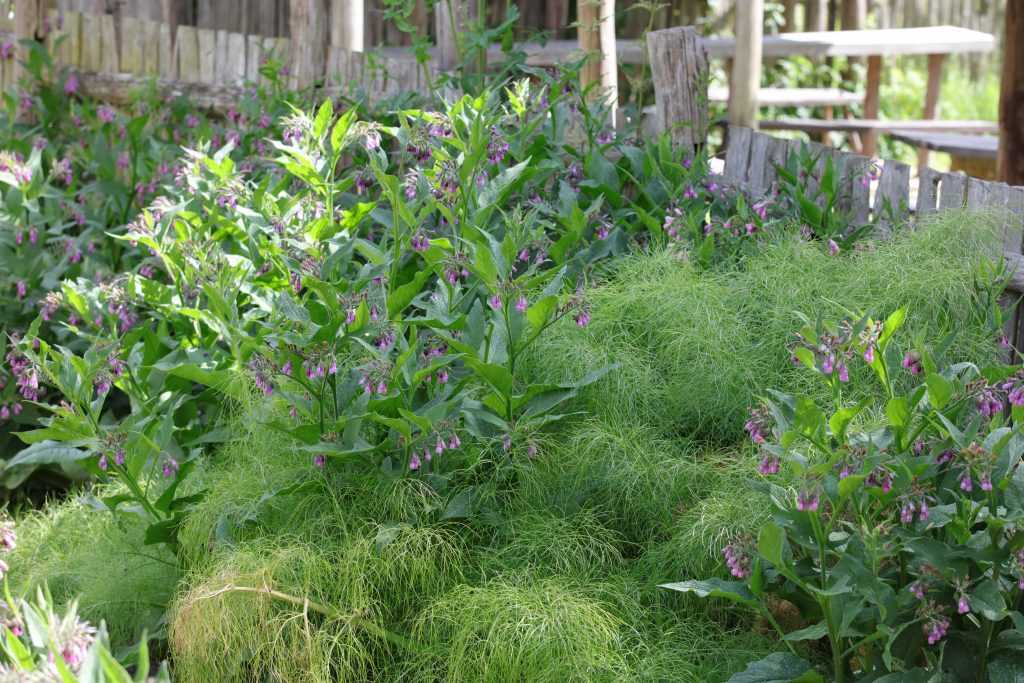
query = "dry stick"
{"x": 325, "y": 610}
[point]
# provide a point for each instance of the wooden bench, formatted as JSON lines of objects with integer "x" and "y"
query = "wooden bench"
{"x": 975, "y": 155}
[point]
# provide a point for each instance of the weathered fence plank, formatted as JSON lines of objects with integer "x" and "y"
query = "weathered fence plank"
{"x": 92, "y": 57}
{"x": 236, "y": 59}
{"x": 187, "y": 44}
{"x": 207, "y": 41}
{"x": 221, "y": 68}
{"x": 927, "y": 191}
{"x": 168, "y": 63}
{"x": 679, "y": 70}
{"x": 892, "y": 196}
{"x": 737, "y": 154}
{"x": 757, "y": 166}
{"x": 855, "y": 194}
{"x": 253, "y": 58}
{"x": 952, "y": 191}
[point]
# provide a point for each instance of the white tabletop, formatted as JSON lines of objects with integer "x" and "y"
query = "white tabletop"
{"x": 868, "y": 42}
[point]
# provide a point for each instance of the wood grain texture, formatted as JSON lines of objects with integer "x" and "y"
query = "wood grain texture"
{"x": 187, "y": 45}
{"x": 132, "y": 59}
{"x": 737, "y": 154}
{"x": 892, "y": 196}
{"x": 927, "y": 191}
{"x": 757, "y": 171}
{"x": 206, "y": 39}
{"x": 679, "y": 71}
{"x": 952, "y": 191}
{"x": 236, "y": 59}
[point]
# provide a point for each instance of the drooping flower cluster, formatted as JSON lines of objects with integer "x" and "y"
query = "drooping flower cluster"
{"x": 738, "y": 558}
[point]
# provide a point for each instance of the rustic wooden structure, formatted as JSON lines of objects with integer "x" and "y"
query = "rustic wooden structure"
{"x": 745, "y": 76}
{"x": 679, "y": 69}
{"x": 975, "y": 155}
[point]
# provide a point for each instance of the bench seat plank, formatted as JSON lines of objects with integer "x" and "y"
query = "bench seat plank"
{"x": 957, "y": 144}
{"x": 851, "y": 125}
{"x": 794, "y": 97}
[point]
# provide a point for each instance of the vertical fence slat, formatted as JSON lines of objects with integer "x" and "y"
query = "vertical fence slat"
{"x": 206, "y": 39}
{"x": 168, "y": 62}
{"x": 236, "y": 58}
{"x": 253, "y": 58}
{"x": 756, "y": 167}
{"x": 737, "y": 154}
{"x": 71, "y": 48}
{"x": 854, "y": 194}
{"x": 891, "y": 199}
{"x": 187, "y": 45}
{"x": 92, "y": 58}
{"x": 109, "y": 62}
{"x": 150, "y": 47}
{"x": 927, "y": 191}
{"x": 131, "y": 46}
{"x": 221, "y": 67}
{"x": 977, "y": 193}
{"x": 952, "y": 191}
{"x": 777, "y": 152}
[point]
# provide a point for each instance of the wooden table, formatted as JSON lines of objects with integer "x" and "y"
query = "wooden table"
{"x": 875, "y": 44}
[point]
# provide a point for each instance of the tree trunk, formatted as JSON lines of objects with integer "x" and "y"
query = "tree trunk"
{"x": 1011, "y": 97}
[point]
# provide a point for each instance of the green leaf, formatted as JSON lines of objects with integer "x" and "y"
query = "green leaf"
{"x": 734, "y": 591}
{"x": 987, "y": 600}
{"x": 770, "y": 543}
{"x": 898, "y": 412}
{"x": 323, "y": 118}
{"x": 780, "y": 667}
{"x": 815, "y": 632}
{"x": 805, "y": 356}
{"x": 892, "y": 324}
{"x": 403, "y": 296}
{"x": 47, "y": 453}
{"x": 940, "y": 390}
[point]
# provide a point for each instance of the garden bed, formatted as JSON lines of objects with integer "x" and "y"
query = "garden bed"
{"x": 432, "y": 394}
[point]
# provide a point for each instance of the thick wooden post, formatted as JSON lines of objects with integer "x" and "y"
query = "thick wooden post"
{"x": 931, "y": 99}
{"x": 871, "y": 102}
{"x": 609, "y": 60}
{"x": 789, "y": 15}
{"x": 1011, "y": 97}
{"x": 746, "y": 67}
{"x": 308, "y": 54}
{"x": 679, "y": 70}
{"x": 588, "y": 15}
{"x": 347, "y": 25}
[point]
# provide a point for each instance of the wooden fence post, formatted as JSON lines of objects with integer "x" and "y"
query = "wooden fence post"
{"x": 746, "y": 67}
{"x": 1011, "y": 97}
{"x": 308, "y": 55}
{"x": 679, "y": 70}
{"x": 587, "y": 31}
{"x": 609, "y": 60}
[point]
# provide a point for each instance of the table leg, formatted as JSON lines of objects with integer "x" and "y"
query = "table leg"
{"x": 871, "y": 102}
{"x": 931, "y": 100}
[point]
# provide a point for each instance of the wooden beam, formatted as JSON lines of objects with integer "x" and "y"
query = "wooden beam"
{"x": 609, "y": 61}
{"x": 1010, "y": 162}
{"x": 308, "y": 55}
{"x": 746, "y": 67}
{"x": 679, "y": 71}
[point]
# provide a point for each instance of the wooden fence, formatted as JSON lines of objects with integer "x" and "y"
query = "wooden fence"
{"x": 209, "y": 65}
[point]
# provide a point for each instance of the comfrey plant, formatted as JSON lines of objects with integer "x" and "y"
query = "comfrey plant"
{"x": 897, "y": 522}
{"x": 39, "y": 644}
{"x": 812, "y": 188}
{"x": 73, "y": 172}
